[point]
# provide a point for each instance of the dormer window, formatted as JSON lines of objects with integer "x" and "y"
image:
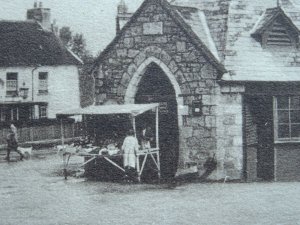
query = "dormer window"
{"x": 275, "y": 28}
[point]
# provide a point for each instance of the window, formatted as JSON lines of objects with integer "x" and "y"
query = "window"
{"x": 43, "y": 82}
{"x": 287, "y": 118}
{"x": 9, "y": 114}
{"x": 12, "y": 84}
{"x": 43, "y": 111}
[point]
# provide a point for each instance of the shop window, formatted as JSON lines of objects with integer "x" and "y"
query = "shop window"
{"x": 12, "y": 84}
{"x": 287, "y": 118}
{"x": 9, "y": 114}
{"x": 43, "y": 83}
{"x": 43, "y": 111}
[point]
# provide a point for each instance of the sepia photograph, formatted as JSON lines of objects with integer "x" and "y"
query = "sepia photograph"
{"x": 155, "y": 112}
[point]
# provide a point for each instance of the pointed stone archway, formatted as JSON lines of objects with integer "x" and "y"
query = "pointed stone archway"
{"x": 134, "y": 79}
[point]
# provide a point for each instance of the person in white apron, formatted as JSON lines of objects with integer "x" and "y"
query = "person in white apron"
{"x": 130, "y": 147}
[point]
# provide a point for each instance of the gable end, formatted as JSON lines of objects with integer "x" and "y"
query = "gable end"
{"x": 275, "y": 28}
{"x": 178, "y": 20}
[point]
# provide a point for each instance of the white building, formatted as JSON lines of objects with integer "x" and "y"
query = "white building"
{"x": 38, "y": 75}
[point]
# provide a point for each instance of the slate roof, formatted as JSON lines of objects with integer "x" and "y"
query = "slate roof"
{"x": 216, "y": 15}
{"x": 246, "y": 59}
{"x": 196, "y": 19}
{"x": 268, "y": 18}
{"x": 25, "y": 43}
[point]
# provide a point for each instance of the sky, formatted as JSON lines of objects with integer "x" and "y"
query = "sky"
{"x": 94, "y": 18}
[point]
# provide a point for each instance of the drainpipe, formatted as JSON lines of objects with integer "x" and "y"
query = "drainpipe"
{"x": 32, "y": 85}
{"x": 32, "y": 81}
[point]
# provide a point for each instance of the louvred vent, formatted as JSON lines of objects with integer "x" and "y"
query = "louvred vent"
{"x": 279, "y": 35}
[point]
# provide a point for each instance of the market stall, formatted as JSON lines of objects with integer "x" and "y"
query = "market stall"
{"x": 110, "y": 152}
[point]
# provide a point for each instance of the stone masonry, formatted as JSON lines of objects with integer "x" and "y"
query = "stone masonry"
{"x": 189, "y": 69}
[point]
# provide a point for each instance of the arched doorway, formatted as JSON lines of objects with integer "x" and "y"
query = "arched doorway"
{"x": 155, "y": 86}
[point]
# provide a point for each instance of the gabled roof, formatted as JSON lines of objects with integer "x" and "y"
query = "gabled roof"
{"x": 246, "y": 59}
{"x": 177, "y": 18}
{"x": 197, "y": 21}
{"x": 25, "y": 43}
{"x": 270, "y": 15}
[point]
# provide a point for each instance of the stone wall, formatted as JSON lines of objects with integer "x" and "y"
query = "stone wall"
{"x": 230, "y": 133}
{"x": 191, "y": 71}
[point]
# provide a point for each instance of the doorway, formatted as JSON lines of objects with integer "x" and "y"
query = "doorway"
{"x": 262, "y": 111}
{"x": 155, "y": 87}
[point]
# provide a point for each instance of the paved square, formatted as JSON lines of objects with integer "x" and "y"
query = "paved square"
{"x": 32, "y": 193}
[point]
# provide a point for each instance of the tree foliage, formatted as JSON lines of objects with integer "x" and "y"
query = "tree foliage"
{"x": 77, "y": 44}
{"x": 65, "y": 35}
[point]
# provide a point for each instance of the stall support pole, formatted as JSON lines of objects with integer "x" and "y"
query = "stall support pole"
{"x": 157, "y": 140}
{"x": 62, "y": 133}
{"x": 137, "y": 157}
{"x": 134, "y": 126}
{"x": 156, "y": 128}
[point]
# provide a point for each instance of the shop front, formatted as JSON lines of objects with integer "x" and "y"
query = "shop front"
{"x": 272, "y": 131}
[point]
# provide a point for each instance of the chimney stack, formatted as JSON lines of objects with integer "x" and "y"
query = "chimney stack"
{"x": 123, "y": 16}
{"x": 40, "y": 15}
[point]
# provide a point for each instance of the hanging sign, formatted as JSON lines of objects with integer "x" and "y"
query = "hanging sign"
{"x": 163, "y": 107}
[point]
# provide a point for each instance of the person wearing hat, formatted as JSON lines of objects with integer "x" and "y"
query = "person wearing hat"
{"x": 12, "y": 143}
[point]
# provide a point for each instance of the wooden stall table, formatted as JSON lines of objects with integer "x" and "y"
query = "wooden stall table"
{"x": 133, "y": 110}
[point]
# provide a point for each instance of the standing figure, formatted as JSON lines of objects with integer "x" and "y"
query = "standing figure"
{"x": 12, "y": 143}
{"x": 130, "y": 147}
{"x": 147, "y": 138}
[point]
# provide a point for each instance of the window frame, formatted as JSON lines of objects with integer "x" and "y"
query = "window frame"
{"x": 290, "y": 139}
{"x": 41, "y": 107}
{"x": 43, "y": 90}
{"x": 10, "y": 92}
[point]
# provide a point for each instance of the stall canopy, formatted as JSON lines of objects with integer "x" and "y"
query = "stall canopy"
{"x": 132, "y": 109}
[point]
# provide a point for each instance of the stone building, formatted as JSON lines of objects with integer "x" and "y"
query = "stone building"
{"x": 226, "y": 73}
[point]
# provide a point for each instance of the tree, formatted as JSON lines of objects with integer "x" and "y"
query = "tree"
{"x": 65, "y": 35}
{"x": 78, "y": 46}
{"x": 76, "y": 43}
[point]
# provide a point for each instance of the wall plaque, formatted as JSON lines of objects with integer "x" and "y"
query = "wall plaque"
{"x": 153, "y": 28}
